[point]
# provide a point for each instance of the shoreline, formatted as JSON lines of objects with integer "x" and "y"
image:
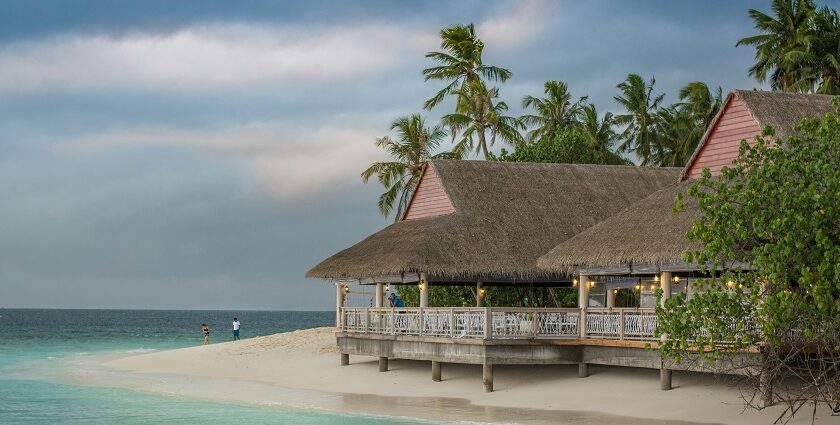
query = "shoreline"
{"x": 300, "y": 370}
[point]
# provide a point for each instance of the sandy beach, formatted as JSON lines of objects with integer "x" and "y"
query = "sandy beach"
{"x": 301, "y": 370}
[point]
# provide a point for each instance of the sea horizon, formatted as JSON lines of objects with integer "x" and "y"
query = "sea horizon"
{"x": 43, "y": 346}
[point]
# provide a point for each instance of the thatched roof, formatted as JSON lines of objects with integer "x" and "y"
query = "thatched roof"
{"x": 648, "y": 232}
{"x": 506, "y": 215}
{"x": 780, "y": 110}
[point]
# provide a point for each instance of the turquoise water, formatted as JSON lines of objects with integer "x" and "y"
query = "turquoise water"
{"x": 31, "y": 340}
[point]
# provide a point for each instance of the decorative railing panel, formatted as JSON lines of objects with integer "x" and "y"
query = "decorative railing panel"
{"x": 621, "y": 323}
{"x": 463, "y": 322}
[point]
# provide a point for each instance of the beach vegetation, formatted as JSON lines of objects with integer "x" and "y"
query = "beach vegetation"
{"x": 774, "y": 212}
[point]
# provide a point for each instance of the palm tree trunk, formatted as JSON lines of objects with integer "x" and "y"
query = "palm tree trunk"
{"x": 482, "y": 141}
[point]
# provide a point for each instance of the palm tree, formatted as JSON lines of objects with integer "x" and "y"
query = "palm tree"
{"x": 826, "y": 49}
{"x": 678, "y": 132}
{"x": 780, "y": 48}
{"x": 600, "y": 134}
{"x": 556, "y": 110}
{"x": 414, "y": 145}
{"x": 479, "y": 114}
{"x": 701, "y": 102}
{"x": 680, "y": 126}
{"x": 640, "y": 120}
{"x": 460, "y": 64}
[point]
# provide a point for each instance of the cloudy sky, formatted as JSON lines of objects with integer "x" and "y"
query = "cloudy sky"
{"x": 205, "y": 154}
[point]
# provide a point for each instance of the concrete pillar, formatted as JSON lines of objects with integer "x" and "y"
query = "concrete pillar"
{"x": 424, "y": 291}
{"x": 611, "y": 297}
{"x": 487, "y": 377}
{"x": 339, "y": 302}
{"x": 380, "y": 295}
{"x": 436, "y": 371}
{"x": 664, "y": 378}
{"x": 479, "y": 294}
{"x": 383, "y": 364}
{"x": 345, "y": 359}
{"x": 583, "y": 370}
{"x": 583, "y": 302}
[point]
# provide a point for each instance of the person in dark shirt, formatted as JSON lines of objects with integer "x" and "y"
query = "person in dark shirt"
{"x": 396, "y": 301}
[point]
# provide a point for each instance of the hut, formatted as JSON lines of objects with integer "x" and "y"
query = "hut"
{"x": 478, "y": 223}
{"x": 599, "y": 228}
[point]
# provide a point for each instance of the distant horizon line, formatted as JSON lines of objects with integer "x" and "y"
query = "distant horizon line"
{"x": 163, "y": 309}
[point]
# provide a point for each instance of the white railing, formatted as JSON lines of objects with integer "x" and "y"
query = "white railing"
{"x": 480, "y": 323}
{"x": 621, "y": 323}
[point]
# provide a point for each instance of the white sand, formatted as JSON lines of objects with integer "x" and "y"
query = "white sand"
{"x": 301, "y": 369}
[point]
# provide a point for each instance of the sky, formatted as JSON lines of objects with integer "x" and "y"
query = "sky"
{"x": 205, "y": 154}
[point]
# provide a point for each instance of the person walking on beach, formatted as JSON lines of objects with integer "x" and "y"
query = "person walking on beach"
{"x": 206, "y": 330}
{"x": 235, "y": 329}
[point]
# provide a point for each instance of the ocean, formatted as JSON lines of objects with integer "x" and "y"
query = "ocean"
{"x": 34, "y": 342}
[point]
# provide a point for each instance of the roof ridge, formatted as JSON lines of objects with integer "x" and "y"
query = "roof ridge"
{"x": 550, "y": 164}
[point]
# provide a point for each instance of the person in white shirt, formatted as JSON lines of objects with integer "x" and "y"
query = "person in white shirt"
{"x": 235, "y": 329}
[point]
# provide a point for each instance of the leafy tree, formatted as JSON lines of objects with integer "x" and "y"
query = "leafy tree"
{"x": 568, "y": 145}
{"x": 781, "y": 45}
{"x": 481, "y": 120}
{"x": 461, "y": 65}
{"x": 776, "y": 209}
{"x": 556, "y": 110}
{"x": 640, "y": 104}
{"x": 414, "y": 145}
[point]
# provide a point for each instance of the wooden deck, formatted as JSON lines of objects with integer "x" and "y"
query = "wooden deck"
{"x": 510, "y": 336}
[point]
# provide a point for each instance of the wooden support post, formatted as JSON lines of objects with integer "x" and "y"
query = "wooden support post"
{"x": 487, "y": 376}
{"x": 436, "y": 371}
{"x": 664, "y": 371}
{"x": 664, "y": 378}
{"x": 583, "y": 302}
{"x": 488, "y": 323}
{"x": 611, "y": 297}
{"x": 479, "y": 294}
{"x": 339, "y": 302}
{"x": 383, "y": 364}
{"x": 583, "y": 370}
{"x": 452, "y": 323}
{"x": 621, "y": 321}
{"x": 380, "y": 295}
{"x": 345, "y": 359}
{"x": 665, "y": 284}
{"x": 424, "y": 291}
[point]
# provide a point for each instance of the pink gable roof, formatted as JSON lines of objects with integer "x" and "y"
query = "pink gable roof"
{"x": 430, "y": 199}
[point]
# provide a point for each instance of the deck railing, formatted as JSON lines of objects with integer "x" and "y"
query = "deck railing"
{"x": 621, "y": 323}
{"x": 500, "y": 322}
